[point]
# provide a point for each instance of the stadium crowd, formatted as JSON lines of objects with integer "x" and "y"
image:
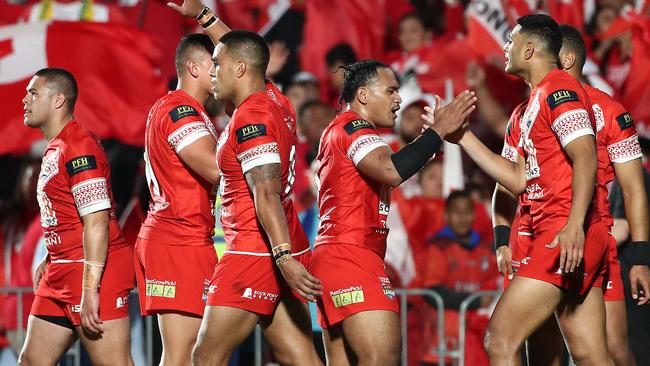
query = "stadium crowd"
{"x": 440, "y": 219}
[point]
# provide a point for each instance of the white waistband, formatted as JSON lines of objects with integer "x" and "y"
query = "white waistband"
{"x": 256, "y": 254}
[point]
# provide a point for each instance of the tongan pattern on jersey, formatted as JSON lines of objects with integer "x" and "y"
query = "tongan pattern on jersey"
{"x": 181, "y": 206}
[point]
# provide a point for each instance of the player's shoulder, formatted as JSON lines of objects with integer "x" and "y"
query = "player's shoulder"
{"x": 178, "y": 105}
{"x": 80, "y": 149}
{"x": 351, "y": 123}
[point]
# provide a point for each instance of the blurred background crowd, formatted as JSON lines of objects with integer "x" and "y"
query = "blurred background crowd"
{"x": 122, "y": 54}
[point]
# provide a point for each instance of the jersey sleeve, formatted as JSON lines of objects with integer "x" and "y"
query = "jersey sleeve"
{"x": 567, "y": 108}
{"x": 358, "y": 139}
{"x": 256, "y": 141}
{"x": 511, "y": 144}
{"x": 86, "y": 166}
{"x": 622, "y": 140}
{"x": 183, "y": 125}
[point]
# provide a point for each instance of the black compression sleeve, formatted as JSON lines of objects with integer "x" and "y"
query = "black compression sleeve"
{"x": 501, "y": 236}
{"x": 412, "y": 157}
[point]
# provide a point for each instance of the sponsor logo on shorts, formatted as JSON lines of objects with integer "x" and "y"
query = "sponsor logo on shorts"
{"x": 387, "y": 287}
{"x": 250, "y": 293}
{"x": 206, "y": 289}
{"x": 525, "y": 260}
{"x": 347, "y": 296}
{"x": 212, "y": 289}
{"x": 121, "y": 302}
{"x": 161, "y": 288}
{"x": 610, "y": 285}
{"x": 75, "y": 308}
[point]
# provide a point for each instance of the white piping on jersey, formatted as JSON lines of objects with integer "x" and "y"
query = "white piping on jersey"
{"x": 262, "y": 254}
{"x": 68, "y": 261}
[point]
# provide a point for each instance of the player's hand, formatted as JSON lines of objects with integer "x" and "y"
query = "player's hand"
{"x": 504, "y": 261}
{"x": 189, "y": 8}
{"x": 475, "y": 76}
{"x": 572, "y": 243}
{"x": 303, "y": 283}
{"x": 39, "y": 272}
{"x": 90, "y": 312}
{"x": 279, "y": 54}
{"x": 640, "y": 284}
{"x": 451, "y": 117}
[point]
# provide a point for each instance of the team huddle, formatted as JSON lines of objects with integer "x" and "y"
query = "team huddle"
{"x": 561, "y": 148}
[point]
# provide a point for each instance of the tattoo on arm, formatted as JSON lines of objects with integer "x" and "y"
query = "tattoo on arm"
{"x": 264, "y": 173}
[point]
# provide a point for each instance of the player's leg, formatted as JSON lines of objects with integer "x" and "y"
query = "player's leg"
{"x": 583, "y": 325}
{"x": 522, "y": 309}
{"x": 544, "y": 347}
{"x": 617, "y": 339}
{"x": 288, "y": 331}
{"x": 178, "y": 332}
{"x": 112, "y": 347}
{"x": 222, "y": 330}
{"x": 46, "y": 341}
{"x": 374, "y": 337}
{"x": 337, "y": 351}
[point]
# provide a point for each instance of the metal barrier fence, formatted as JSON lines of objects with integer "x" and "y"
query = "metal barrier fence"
{"x": 441, "y": 350}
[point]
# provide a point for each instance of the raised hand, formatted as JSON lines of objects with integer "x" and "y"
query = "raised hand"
{"x": 189, "y": 8}
{"x": 450, "y": 118}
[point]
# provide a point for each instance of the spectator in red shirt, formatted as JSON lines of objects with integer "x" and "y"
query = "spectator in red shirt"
{"x": 459, "y": 263}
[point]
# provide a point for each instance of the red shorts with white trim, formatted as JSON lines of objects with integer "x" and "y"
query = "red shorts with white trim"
{"x": 173, "y": 277}
{"x": 542, "y": 263}
{"x": 354, "y": 280}
{"x": 59, "y": 292}
{"x": 613, "y": 281}
{"x": 251, "y": 282}
{"x": 518, "y": 248}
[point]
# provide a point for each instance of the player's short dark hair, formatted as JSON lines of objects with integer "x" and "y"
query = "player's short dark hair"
{"x": 248, "y": 46}
{"x": 544, "y": 28}
{"x": 357, "y": 75}
{"x": 455, "y": 195}
{"x": 61, "y": 81}
{"x": 572, "y": 41}
{"x": 188, "y": 43}
{"x": 341, "y": 52}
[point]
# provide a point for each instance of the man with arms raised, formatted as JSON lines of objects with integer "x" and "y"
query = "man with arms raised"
{"x": 358, "y": 309}
{"x": 84, "y": 282}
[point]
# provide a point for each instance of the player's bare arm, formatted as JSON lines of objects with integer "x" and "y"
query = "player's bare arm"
{"x": 201, "y": 157}
{"x": 265, "y": 182}
{"x": 582, "y": 152}
{"x": 510, "y": 175}
{"x": 630, "y": 177}
{"x": 95, "y": 243}
{"x": 392, "y": 169}
{"x": 39, "y": 272}
{"x": 212, "y": 26}
{"x": 504, "y": 207}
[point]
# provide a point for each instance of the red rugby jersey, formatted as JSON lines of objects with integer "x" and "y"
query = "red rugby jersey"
{"x": 262, "y": 131}
{"x": 353, "y": 207}
{"x": 181, "y": 206}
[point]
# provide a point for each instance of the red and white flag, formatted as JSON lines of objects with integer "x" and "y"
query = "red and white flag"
{"x": 116, "y": 68}
{"x": 490, "y": 22}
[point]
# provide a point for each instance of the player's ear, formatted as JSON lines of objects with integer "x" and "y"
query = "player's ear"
{"x": 529, "y": 50}
{"x": 58, "y": 100}
{"x": 192, "y": 68}
{"x": 240, "y": 68}
{"x": 362, "y": 95}
{"x": 567, "y": 60}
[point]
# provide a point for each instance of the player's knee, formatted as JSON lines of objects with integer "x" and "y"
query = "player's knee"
{"x": 202, "y": 355}
{"x": 497, "y": 346}
{"x": 388, "y": 355}
{"x": 619, "y": 352}
{"x": 25, "y": 359}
